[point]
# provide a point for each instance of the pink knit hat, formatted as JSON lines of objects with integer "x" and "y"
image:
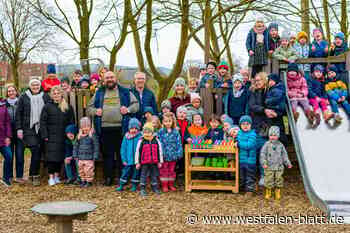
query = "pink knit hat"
{"x": 95, "y": 76}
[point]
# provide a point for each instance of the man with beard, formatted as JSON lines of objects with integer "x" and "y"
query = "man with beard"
{"x": 111, "y": 108}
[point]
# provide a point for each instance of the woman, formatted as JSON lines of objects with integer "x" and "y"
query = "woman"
{"x": 17, "y": 146}
{"x": 5, "y": 142}
{"x": 181, "y": 96}
{"x": 29, "y": 108}
{"x": 55, "y": 117}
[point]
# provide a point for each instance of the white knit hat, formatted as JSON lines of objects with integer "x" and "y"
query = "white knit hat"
{"x": 195, "y": 96}
{"x": 34, "y": 80}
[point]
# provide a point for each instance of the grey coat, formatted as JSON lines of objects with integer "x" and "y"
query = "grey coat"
{"x": 274, "y": 155}
{"x": 86, "y": 148}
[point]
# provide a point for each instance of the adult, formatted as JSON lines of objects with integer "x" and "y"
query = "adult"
{"x": 29, "y": 107}
{"x": 56, "y": 115}
{"x": 111, "y": 108}
{"x": 180, "y": 96}
{"x": 5, "y": 141}
{"x": 17, "y": 146}
{"x": 144, "y": 96}
{"x": 51, "y": 80}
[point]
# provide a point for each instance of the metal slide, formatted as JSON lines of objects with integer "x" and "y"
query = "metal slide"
{"x": 324, "y": 161}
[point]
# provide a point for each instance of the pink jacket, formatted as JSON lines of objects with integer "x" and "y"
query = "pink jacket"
{"x": 297, "y": 87}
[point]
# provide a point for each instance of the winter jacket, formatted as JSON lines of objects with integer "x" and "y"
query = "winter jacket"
{"x": 335, "y": 88}
{"x": 128, "y": 148}
{"x": 251, "y": 40}
{"x": 48, "y": 83}
{"x": 303, "y": 52}
{"x": 68, "y": 148}
{"x": 247, "y": 147}
{"x": 316, "y": 88}
{"x": 86, "y": 148}
{"x": 30, "y": 137}
{"x": 215, "y": 134}
{"x": 285, "y": 53}
{"x": 171, "y": 144}
{"x": 338, "y": 50}
{"x": 276, "y": 99}
{"x": 274, "y": 155}
{"x": 190, "y": 111}
{"x": 183, "y": 130}
{"x": 197, "y": 132}
{"x": 297, "y": 87}
{"x": 53, "y": 123}
{"x": 5, "y": 123}
{"x": 274, "y": 43}
{"x": 11, "y": 109}
{"x": 147, "y": 100}
{"x": 206, "y": 78}
{"x": 236, "y": 107}
{"x": 177, "y": 102}
{"x": 320, "y": 49}
{"x": 219, "y": 81}
{"x": 149, "y": 152}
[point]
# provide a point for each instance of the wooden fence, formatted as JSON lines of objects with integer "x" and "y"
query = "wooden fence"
{"x": 79, "y": 99}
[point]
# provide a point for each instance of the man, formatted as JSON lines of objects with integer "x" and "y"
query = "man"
{"x": 111, "y": 108}
{"x": 144, "y": 96}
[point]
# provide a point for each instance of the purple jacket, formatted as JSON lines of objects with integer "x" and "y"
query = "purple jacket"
{"x": 5, "y": 123}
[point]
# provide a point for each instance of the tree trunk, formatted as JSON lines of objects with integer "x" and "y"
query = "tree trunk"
{"x": 84, "y": 19}
{"x": 229, "y": 59}
{"x": 305, "y": 17}
{"x": 14, "y": 70}
{"x": 344, "y": 19}
{"x": 207, "y": 31}
{"x": 326, "y": 20}
{"x": 137, "y": 44}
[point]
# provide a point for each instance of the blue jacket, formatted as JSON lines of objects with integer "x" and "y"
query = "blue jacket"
{"x": 251, "y": 40}
{"x": 236, "y": 107}
{"x": 319, "y": 52}
{"x": 68, "y": 148}
{"x": 215, "y": 134}
{"x": 171, "y": 144}
{"x": 338, "y": 51}
{"x": 206, "y": 78}
{"x": 128, "y": 148}
{"x": 124, "y": 95}
{"x": 247, "y": 147}
{"x": 276, "y": 99}
{"x": 316, "y": 89}
{"x": 148, "y": 100}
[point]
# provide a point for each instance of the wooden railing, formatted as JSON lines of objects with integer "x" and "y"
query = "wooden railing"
{"x": 79, "y": 100}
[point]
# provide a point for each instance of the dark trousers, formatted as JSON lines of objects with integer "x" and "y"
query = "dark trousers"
{"x": 149, "y": 170}
{"x": 17, "y": 149}
{"x": 34, "y": 169}
{"x": 7, "y": 167}
{"x": 247, "y": 177}
{"x": 256, "y": 69}
{"x": 130, "y": 171}
{"x": 111, "y": 141}
{"x": 54, "y": 167}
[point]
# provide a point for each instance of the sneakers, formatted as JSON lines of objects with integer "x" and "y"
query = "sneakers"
{"x": 310, "y": 115}
{"x": 296, "y": 116}
{"x": 261, "y": 181}
{"x": 143, "y": 192}
{"x": 318, "y": 120}
{"x": 7, "y": 183}
{"x": 57, "y": 180}
{"x": 338, "y": 118}
{"x": 82, "y": 184}
{"x": 327, "y": 115}
{"x": 19, "y": 180}
{"x": 51, "y": 182}
{"x": 88, "y": 184}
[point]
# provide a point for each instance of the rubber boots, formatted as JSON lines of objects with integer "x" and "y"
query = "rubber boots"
{"x": 277, "y": 194}
{"x": 171, "y": 186}
{"x": 165, "y": 186}
{"x": 134, "y": 187}
{"x": 120, "y": 188}
{"x": 268, "y": 192}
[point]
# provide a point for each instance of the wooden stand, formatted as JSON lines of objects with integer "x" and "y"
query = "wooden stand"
{"x": 232, "y": 185}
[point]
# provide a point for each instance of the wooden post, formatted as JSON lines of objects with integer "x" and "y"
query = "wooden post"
{"x": 207, "y": 103}
{"x": 219, "y": 101}
{"x": 275, "y": 66}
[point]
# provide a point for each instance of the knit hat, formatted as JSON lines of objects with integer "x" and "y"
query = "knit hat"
{"x": 134, "y": 123}
{"x": 223, "y": 65}
{"x": 274, "y": 130}
{"x": 340, "y": 35}
{"x": 34, "y": 80}
{"x": 244, "y": 119}
{"x": 148, "y": 127}
{"x": 273, "y": 25}
{"x": 274, "y": 77}
{"x": 51, "y": 69}
{"x": 235, "y": 127}
{"x": 211, "y": 63}
{"x": 293, "y": 67}
{"x": 237, "y": 77}
{"x": 85, "y": 78}
{"x": 148, "y": 109}
{"x": 319, "y": 68}
{"x": 259, "y": 18}
{"x": 65, "y": 79}
{"x": 317, "y": 30}
{"x": 285, "y": 35}
{"x": 94, "y": 76}
{"x": 71, "y": 129}
{"x": 195, "y": 96}
{"x": 332, "y": 68}
{"x": 165, "y": 104}
{"x": 228, "y": 120}
{"x": 302, "y": 34}
{"x": 85, "y": 122}
{"x": 180, "y": 82}
{"x": 181, "y": 109}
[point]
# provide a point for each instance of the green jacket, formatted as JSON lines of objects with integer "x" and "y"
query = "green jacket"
{"x": 285, "y": 53}
{"x": 274, "y": 155}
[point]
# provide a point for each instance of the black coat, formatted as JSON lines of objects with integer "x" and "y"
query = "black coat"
{"x": 53, "y": 123}
{"x": 30, "y": 137}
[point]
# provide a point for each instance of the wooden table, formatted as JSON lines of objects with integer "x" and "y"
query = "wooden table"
{"x": 64, "y": 212}
{"x": 231, "y": 185}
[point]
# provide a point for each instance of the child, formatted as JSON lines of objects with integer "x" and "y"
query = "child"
{"x": 246, "y": 139}
{"x": 70, "y": 165}
{"x": 170, "y": 140}
{"x": 273, "y": 156}
{"x": 298, "y": 92}
{"x": 65, "y": 84}
{"x": 194, "y": 107}
{"x": 292, "y": 39}
{"x": 164, "y": 108}
{"x": 246, "y": 79}
{"x": 303, "y": 48}
{"x": 257, "y": 45}
{"x": 84, "y": 82}
{"x": 230, "y": 130}
{"x": 285, "y": 52}
{"x": 215, "y": 132}
{"x": 317, "y": 95}
{"x": 182, "y": 127}
{"x": 338, "y": 47}
{"x": 337, "y": 93}
{"x": 156, "y": 124}
{"x": 51, "y": 79}
{"x": 86, "y": 150}
{"x": 147, "y": 115}
{"x": 192, "y": 86}
{"x": 319, "y": 46}
{"x": 94, "y": 81}
{"x": 274, "y": 38}
{"x": 224, "y": 78}
{"x": 275, "y": 95}
{"x": 127, "y": 153}
{"x": 202, "y": 71}
{"x": 148, "y": 158}
{"x": 236, "y": 100}
{"x": 210, "y": 76}
{"x": 197, "y": 131}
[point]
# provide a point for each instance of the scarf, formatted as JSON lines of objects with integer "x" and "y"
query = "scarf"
{"x": 131, "y": 136}
{"x": 183, "y": 125}
{"x": 237, "y": 93}
{"x": 36, "y": 105}
{"x": 259, "y": 30}
{"x": 12, "y": 102}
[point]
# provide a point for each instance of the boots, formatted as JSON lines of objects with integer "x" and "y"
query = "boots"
{"x": 36, "y": 180}
{"x": 277, "y": 194}
{"x": 296, "y": 116}
{"x": 327, "y": 115}
{"x": 155, "y": 189}
{"x": 171, "y": 186}
{"x": 318, "y": 119}
{"x": 133, "y": 187}
{"x": 310, "y": 116}
{"x": 338, "y": 118}
{"x": 143, "y": 192}
{"x": 268, "y": 192}
{"x": 120, "y": 188}
{"x": 165, "y": 186}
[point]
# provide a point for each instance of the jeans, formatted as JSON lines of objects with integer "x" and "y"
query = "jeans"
{"x": 130, "y": 170}
{"x": 7, "y": 169}
{"x": 34, "y": 168}
{"x": 71, "y": 169}
{"x": 345, "y": 104}
{"x": 17, "y": 149}
{"x": 149, "y": 170}
{"x": 247, "y": 177}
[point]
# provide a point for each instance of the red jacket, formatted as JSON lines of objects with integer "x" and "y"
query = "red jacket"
{"x": 177, "y": 102}
{"x": 48, "y": 83}
{"x": 148, "y": 152}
